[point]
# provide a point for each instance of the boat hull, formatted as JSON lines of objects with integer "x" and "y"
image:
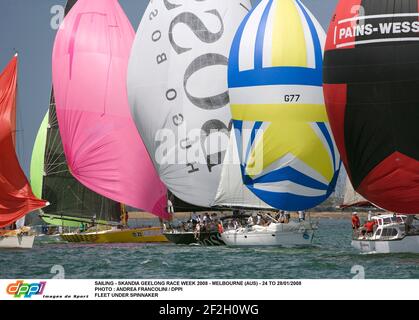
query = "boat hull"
{"x": 187, "y": 238}
{"x": 138, "y": 235}
{"x": 409, "y": 244}
{"x": 16, "y": 242}
{"x": 236, "y": 238}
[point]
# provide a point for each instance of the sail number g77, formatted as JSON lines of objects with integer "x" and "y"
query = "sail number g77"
{"x": 292, "y": 97}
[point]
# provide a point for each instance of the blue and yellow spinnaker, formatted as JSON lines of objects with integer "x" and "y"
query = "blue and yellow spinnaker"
{"x": 287, "y": 153}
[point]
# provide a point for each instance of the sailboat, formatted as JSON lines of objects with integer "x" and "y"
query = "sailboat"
{"x": 16, "y": 196}
{"x": 286, "y": 153}
{"x": 94, "y": 161}
{"x": 391, "y": 232}
{"x": 179, "y": 99}
{"x": 181, "y": 229}
{"x": 73, "y": 206}
{"x": 232, "y": 193}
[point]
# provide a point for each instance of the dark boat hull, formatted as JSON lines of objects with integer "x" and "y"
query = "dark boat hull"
{"x": 187, "y": 238}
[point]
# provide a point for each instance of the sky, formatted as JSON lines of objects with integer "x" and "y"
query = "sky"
{"x": 26, "y": 26}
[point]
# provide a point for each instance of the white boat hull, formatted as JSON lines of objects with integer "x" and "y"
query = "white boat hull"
{"x": 274, "y": 237}
{"x": 409, "y": 244}
{"x": 17, "y": 242}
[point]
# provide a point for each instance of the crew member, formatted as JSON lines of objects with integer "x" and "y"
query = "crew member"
{"x": 356, "y": 223}
{"x": 220, "y": 227}
{"x": 369, "y": 226}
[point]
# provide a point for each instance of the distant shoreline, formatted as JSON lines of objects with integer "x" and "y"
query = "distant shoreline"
{"x": 339, "y": 215}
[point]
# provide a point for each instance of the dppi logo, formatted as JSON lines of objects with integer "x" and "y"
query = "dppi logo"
{"x": 27, "y": 290}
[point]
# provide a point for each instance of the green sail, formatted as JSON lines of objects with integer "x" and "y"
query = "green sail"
{"x": 38, "y": 157}
{"x": 37, "y": 173}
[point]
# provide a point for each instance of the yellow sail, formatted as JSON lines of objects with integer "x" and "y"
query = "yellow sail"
{"x": 286, "y": 149}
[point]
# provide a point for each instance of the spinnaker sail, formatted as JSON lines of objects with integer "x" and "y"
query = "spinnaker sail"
{"x": 102, "y": 146}
{"x": 287, "y": 153}
{"x": 16, "y": 196}
{"x": 71, "y": 203}
{"x": 372, "y": 97}
{"x": 178, "y": 93}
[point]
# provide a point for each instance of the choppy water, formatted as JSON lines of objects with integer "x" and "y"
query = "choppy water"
{"x": 331, "y": 257}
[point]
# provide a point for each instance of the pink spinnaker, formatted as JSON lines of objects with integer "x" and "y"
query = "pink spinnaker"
{"x": 102, "y": 146}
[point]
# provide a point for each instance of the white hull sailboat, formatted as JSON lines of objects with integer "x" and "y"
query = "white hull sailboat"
{"x": 276, "y": 234}
{"x": 289, "y": 174}
{"x": 16, "y": 242}
{"x": 392, "y": 234}
{"x": 408, "y": 244}
{"x": 17, "y": 239}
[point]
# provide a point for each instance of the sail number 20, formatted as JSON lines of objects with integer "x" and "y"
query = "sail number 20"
{"x": 292, "y": 97}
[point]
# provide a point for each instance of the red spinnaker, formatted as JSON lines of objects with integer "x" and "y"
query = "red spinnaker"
{"x": 16, "y": 197}
{"x": 371, "y": 81}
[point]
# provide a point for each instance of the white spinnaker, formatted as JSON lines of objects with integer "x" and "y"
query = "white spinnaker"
{"x": 231, "y": 191}
{"x": 178, "y": 93}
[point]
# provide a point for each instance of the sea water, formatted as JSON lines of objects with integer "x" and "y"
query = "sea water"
{"x": 331, "y": 257}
